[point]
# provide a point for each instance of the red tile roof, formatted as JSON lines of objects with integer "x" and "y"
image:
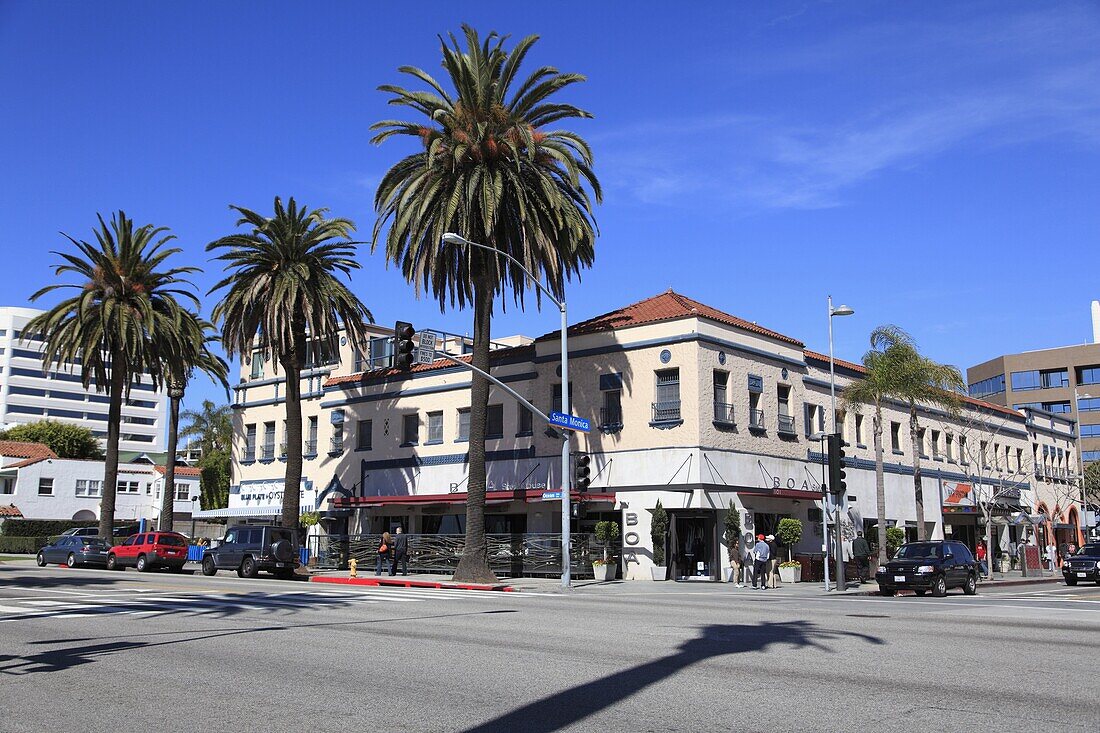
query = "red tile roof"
{"x": 180, "y": 470}
{"x": 31, "y": 452}
{"x": 495, "y": 355}
{"x": 10, "y": 511}
{"x": 668, "y": 306}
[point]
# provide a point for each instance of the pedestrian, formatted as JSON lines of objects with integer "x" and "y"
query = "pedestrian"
{"x": 1051, "y": 553}
{"x": 385, "y": 547}
{"x": 773, "y": 561}
{"x": 760, "y": 555}
{"x": 735, "y": 563}
{"x": 400, "y": 553}
{"x": 862, "y": 552}
{"x": 981, "y": 555}
{"x": 1012, "y": 549}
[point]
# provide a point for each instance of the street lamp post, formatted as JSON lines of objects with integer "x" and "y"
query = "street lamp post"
{"x": 840, "y": 310}
{"x": 455, "y": 239}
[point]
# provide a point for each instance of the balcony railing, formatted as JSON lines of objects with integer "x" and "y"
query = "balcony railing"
{"x": 335, "y": 445}
{"x": 786, "y": 424}
{"x": 282, "y": 450}
{"x": 611, "y": 418}
{"x": 249, "y": 455}
{"x": 666, "y": 411}
{"x": 756, "y": 419}
{"x": 268, "y": 452}
{"x": 311, "y": 447}
{"x": 723, "y": 413}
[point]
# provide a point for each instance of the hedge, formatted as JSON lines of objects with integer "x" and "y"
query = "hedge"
{"x": 42, "y": 527}
{"x": 28, "y": 545}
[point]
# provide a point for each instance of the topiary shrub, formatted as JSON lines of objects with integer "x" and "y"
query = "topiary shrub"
{"x": 606, "y": 533}
{"x": 895, "y": 538}
{"x": 658, "y": 529}
{"x": 789, "y": 533}
{"x": 733, "y": 533}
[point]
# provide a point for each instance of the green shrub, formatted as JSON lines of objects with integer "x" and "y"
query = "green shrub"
{"x": 19, "y": 527}
{"x": 895, "y": 538}
{"x": 658, "y": 529}
{"x": 67, "y": 441}
{"x": 606, "y": 533}
{"x": 733, "y": 532}
{"x": 28, "y": 545}
{"x": 789, "y": 533}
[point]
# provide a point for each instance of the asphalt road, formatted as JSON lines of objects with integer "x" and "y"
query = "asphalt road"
{"x": 90, "y": 650}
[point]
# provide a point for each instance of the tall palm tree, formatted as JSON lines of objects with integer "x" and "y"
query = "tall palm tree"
{"x": 283, "y": 289}
{"x": 124, "y": 311}
{"x": 896, "y": 370}
{"x": 189, "y": 352}
{"x": 491, "y": 170}
{"x": 211, "y": 424}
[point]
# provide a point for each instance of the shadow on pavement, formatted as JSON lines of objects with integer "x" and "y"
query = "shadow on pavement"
{"x": 573, "y": 705}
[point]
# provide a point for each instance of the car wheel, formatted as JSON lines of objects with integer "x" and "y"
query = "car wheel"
{"x": 920, "y": 592}
{"x": 40, "y": 559}
{"x": 142, "y": 564}
{"x": 112, "y": 563}
{"x": 887, "y": 592}
{"x": 71, "y": 562}
{"x": 248, "y": 568}
{"x": 970, "y": 588}
{"x": 208, "y": 566}
{"x": 1073, "y": 581}
{"x": 939, "y": 587}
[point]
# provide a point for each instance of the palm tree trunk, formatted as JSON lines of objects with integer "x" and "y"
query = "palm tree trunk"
{"x": 880, "y": 485}
{"x": 292, "y": 486}
{"x": 168, "y": 504}
{"x": 119, "y": 378}
{"x": 473, "y": 567}
{"x": 918, "y": 487}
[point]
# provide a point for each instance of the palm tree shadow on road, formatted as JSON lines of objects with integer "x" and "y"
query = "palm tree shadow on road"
{"x": 575, "y": 704}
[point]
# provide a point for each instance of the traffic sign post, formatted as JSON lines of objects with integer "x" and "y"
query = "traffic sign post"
{"x": 425, "y": 352}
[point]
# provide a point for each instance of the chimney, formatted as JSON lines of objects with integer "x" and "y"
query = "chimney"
{"x": 1096, "y": 321}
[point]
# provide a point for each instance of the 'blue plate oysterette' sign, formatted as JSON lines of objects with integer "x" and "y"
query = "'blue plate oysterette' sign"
{"x": 570, "y": 422}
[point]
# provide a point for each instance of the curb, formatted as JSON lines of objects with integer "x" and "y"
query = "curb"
{"x": 387, "y": 582}
{"x": 990, "y": 584}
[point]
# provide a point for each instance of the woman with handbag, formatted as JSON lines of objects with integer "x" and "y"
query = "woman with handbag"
{"x": 385, "y": 548}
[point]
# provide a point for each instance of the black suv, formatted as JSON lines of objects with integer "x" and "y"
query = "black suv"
{"x": 929, "y": 566}
{"x": 1084, "y": 565}
{"x": 249, "y": 550}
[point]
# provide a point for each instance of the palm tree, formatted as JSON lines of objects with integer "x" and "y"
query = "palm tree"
{"x": 125, "y": 310}
{"x": 282, "y": 290}
{"x": 896, "y": 370}
{"x": 212, "y": 425}
{"x": 491, "y": 170}
{"x": 190, "y": 352}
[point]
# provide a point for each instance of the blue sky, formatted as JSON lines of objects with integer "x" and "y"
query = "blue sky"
{"x": 934, "y": 165}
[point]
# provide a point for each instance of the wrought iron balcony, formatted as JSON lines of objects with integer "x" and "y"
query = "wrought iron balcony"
{"x": 666, "y": 411}
{"x": 311, "y": 447}
{"x": 786, "y": 424}
{"x": 282, "y": 449}
{"x": 611, "y": 418}
{"x": 335, "y": 445}
{"x": 249, "y": 455}
{"x": 756, "y": 419}
{"x": 268, "y": 452}
{"x": 723, "y": 413}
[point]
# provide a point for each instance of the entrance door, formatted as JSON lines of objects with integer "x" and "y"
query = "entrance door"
{"x": 694, "y": 552}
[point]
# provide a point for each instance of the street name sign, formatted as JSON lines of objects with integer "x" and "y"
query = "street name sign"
{"x": 547, "y": 495}
{"x": 570, "y": 422}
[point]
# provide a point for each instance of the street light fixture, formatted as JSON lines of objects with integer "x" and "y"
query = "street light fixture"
{"x": 840, "y": 310}
{"x": 458, "y": 240}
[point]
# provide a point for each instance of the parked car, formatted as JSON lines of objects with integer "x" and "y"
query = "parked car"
{"x": 119, "y": 532}
{"x": 249, "y": 550}
{"x": 150, "y": 550}
{"x": 74, "y": 551}
{"x": 1083, "y": 565}
{"x": 935, "y": 566}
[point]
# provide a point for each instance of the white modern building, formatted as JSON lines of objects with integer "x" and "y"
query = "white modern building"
{"x": 28, "y": 393}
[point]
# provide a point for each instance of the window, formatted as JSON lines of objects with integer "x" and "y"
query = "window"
{"x": 128, "y": 487}
{"x": 1091, "y": 404}
{"x": 410, "y": 429}
{"x": 1088, "y": 374}
{"x": 993, "y": 385}
{"x": 494, "y": 422}
{"x": 964, "y": 459}
{"x": 1025, "y": 380}
{"x": 556, "y": 401}
{"x": 381, "y": 352}
{"x": 859, "y": 430}
{"x": 148, "y": 489}
{"x": 1026, "y": 405}
{"x": 336, "y": 443}
{"x": 435, "y": 427}
{"x": 949, "y": 447}
{"x": 756, "y": 415}
{"x": 364, "y": 434}
{"x": 1086, "y": 456}
{"x": 523, "y": 420}
{"x": 89, "y": 487}
{"x": 1020, "y": 459}
{"x": 269, "y": 441}
{"x": 839, "y": 419}
{"x": 1090, "y": 431}
{"x": 7, "y": 486}
{"x": 1054, "y": 378}
{"x": 666, "y": 407}
{"x": 322, "y": 352}
{"x": 783, "y": 395}
{"x": 611, "y": 409}
{"x": 311, "y": 437}
{"x": 996, "y": 456}
{"x": 183, "y": 492}
{"x": 935, "y": 444}
{"x": 895, "y": 437}
{"x": 257, "y": 371}
{"x": 1057, "y": 407}
{"x": 814, "y": 419}
{"x": 921, "y": 448}
{"x": 463, "y": 424}
{"x": 45, "y": 487}
{"x": 983, "y": 447}
{"x": 250, "y": 442}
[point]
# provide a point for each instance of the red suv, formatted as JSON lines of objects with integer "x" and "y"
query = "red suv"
{"x": 150, "y": 550}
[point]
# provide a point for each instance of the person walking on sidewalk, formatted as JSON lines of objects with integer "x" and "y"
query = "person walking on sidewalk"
{"x": 400, "y": 553}
{"x": 773, "y": 561}
{"x": 981, "y": 555}
{"x": 385, "y": 547}
{"x": 861, "y": 549}
{"x": 760, "y": 555}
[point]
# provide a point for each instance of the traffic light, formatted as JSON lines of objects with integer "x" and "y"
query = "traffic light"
{"x": 837, "y": 485}
{"x": 582, "y": 471}
{"x": 403, "y": 347}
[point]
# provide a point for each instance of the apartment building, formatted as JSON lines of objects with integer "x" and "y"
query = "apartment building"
{"x": 1062, "y": 381}
{"x": 690, "y": 405}
{"x": 28, "y": 393}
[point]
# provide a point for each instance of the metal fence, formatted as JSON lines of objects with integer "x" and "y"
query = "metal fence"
{"x": 510, "y": 555}
{"x": 195, "y": 552}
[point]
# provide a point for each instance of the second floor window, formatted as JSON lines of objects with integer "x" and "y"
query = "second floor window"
{"x": 611, "y": 392}
{"x": 311, "y": 437}
{"x": 859, "y": 430}
{"x": 494, "y": 422}
{"x": 45, "y": 487}
{"x": 410, "y": 429}
{"x": 524, "y": 418}
{"x": 128, "y": 487}
{"x": 435, "y": 427}
{"x": 363, "y": 435}
{"x": 667, "y": 404}
{"x": 464, "y": 424}
{"x": 269, "y": 441}
{"x": 783, "y": 395}
{"x": 555, "y": 403}
{"x": 89, "y": 487}
{"x": 815, "y": 419}
{"x": 250, "y": 442}
{"x": 920, "y": 443}
{"x": 257, "y": 365}
{"x": 895, "y": 436}
{"x": 935, "y": 444}
{"x": 949, "y": 447}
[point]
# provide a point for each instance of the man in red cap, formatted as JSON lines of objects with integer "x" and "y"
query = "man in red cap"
{"x": 760, "y": 555}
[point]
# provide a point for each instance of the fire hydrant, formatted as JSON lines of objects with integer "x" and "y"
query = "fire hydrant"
{"x": 352, "y": 563}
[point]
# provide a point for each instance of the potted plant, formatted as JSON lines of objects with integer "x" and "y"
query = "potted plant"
{"x": 789, "y": 533}
{"x": 733, "y": 542}
{"x": 658, "y": 531}
{"x": 604, "y": 568}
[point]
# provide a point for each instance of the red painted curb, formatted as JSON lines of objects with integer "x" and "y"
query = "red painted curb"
{"x": 411, "y": 583}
